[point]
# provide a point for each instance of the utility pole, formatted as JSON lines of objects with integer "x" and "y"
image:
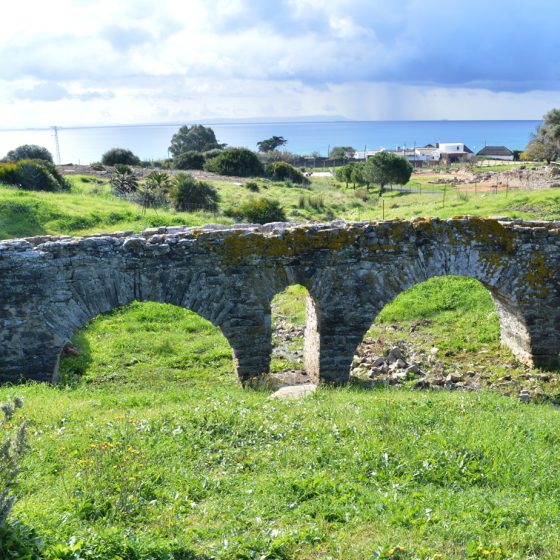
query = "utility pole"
{"x": 57, "y": 145}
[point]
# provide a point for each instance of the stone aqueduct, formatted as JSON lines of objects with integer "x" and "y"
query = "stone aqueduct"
{"x": 50, "y": 287}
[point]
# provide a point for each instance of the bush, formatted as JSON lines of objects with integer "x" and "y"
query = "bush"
{"x": 261, "y": 211}
{"x": 29, "y": 151}
{"x": 19, "y": 541}
{"x": 119, "y": 155}
{"x": 8, "y": 174}
{"x": 152, "y": 193}
{"x": 188, "y": 194}
{"x": 282, "y": 171}
{"x": 189, "y": 160}
{"x": 209, "y": 154}
{"x": 123, "y": 180}
{"x": 252, "y": 186}
{"x": 239, "y": 162}
{"x": 33, "y": 175}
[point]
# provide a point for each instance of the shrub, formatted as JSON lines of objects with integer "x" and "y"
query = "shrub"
{"x": 123, "y": 180}
{"x": 282, "y": 171}
{"x": 261, "y": 211}
{"x": 252, "y": 186}
{"x": 20, "y": 541}
{"x": 189, "y": 160}
{"x": 119, "y": 155}
{"x": 188, "y": 194}
{"x": 29, "y": 151}
{"x": 158, "y": 180}
{"x": 8, "y": 173}
{"x": 152, "y": 193}
{"x": 33, "y": 175}
{"x": 235, "y": 161}
{"x": 209, "y": 154}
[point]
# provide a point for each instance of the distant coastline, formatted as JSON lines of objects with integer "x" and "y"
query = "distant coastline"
{"x": 85, "y": 144}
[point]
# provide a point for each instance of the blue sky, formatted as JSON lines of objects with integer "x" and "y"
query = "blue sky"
{"x": 136, "y": 61}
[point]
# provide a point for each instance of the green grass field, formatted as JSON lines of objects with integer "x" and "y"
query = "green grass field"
{"x": 90, "y": 207}
{"x": 150, "y": 449}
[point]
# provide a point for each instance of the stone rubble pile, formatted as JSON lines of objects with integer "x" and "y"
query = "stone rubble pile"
{"x": 403, "y": 364}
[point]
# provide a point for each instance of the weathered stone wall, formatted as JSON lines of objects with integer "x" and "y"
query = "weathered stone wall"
{"x": 50, "y": 287}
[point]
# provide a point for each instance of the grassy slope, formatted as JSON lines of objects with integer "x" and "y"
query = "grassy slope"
{"x": 152, "y": 445}
{"x": 90, "y": 207}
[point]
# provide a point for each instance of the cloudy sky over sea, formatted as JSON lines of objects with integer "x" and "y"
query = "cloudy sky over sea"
{"x": 70, "y": 62}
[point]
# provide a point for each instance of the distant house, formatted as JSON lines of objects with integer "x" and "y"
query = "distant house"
{"x": 364, "y": 154}
{"x": 452, "y": 152}
{"x": 496, "y": 152}
{"x": 427, "y": 154}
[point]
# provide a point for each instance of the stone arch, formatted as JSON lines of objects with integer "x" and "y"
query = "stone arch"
{"x": 347, "y": 305}
{"x": 153, "y": 316}
{"x": 230, "y": 306}
{"x": 505, "y": 312}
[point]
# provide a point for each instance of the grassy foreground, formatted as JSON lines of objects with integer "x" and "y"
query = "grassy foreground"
{"x": 152, "y": 450}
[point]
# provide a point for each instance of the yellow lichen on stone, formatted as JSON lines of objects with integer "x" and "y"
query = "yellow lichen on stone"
{"x": 538, "y": 275}
{"x": 490, "y": 231}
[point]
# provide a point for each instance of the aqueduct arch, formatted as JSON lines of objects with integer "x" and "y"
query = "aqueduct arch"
{"x": 50, "y": 287}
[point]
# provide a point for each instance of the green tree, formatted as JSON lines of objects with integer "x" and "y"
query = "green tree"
{"x": 239, "y": 162}
{"x": 342, "y": 152}
{"x": 197, "y": 138}
{"x": 121, "y": 156}
{"x": 271, "y": 144}
{"x": 545, "y": 143}
{"x": 358, "y": 174}
{"x": 29, "y": 151}
{"x": 386, "y": 168}
{"x": 189, "y": 195}
{"x": 344, "y": 174}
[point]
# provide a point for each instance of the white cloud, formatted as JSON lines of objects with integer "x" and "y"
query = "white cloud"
{"x": 103, "y": 61}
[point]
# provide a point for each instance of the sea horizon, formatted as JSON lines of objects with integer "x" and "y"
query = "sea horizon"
{"x": 312, "y": 134}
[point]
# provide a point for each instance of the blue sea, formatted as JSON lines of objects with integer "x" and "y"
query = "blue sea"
{"x": 87, "y": 144}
